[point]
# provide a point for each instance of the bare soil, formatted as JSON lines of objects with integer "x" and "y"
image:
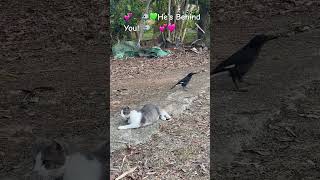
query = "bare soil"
{"x": 136, "y": 80}
{"x": 56, "y": 45}
{"x": 179, "y": 151}
{"x": 272, "y": 131}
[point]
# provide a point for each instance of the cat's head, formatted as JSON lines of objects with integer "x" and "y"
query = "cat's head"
{"x": 125, "y": 112}
{"x": 49, "y": 158}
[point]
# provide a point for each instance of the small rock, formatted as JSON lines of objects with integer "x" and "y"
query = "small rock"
{"x": 221, "y": 19}
{"x": 221, "y": 10}
{"x": 93, "y": 93}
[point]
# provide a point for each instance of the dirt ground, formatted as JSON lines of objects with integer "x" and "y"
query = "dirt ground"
{"x": 179, "y": 151}
{"x": 184, "y": 139}
{"x": 272, "y": 131}
{"x": 55, "y": 47}
{"x": 139, "y": 79}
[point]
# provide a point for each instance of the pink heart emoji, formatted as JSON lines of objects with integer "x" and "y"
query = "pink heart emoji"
{"x": 161, "y": 28}
{"x": 165, "y": 25}
{"x": 171, "y": 27}
{"x": 126, "y": 18}
{"x": 130, "y": 14}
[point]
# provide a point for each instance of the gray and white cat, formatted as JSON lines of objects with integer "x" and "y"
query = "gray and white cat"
{"x": 147, "y": 115}
{"x": 54, "y": 160}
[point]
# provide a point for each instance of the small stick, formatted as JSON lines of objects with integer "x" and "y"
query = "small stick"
{"x": 126, "y": 173}
{"x": 71, "y": 122}
{"x": 123, "y": 142}
{"x": 124, "y": 158}
{"x": 45, "y": 70}
{"x": 200, "y": 28}
{"x": 8, "y": 74}
{"x": 195, "y": 41}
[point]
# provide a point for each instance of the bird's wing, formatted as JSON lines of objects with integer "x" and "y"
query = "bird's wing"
{"x": 242, "y": 56}
{"x": 184, "y": 79}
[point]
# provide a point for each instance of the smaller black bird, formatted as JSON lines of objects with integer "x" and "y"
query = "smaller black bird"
{"x": 239, "y": 63}
{"x": 184, "y": 82}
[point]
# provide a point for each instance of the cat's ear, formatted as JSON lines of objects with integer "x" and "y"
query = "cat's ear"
{"x": 56, "y": 146}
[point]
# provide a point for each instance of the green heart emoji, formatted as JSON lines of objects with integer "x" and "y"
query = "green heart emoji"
{"x": 153, "y": 16}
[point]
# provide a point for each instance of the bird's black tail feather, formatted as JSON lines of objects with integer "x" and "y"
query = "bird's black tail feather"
{"x": 174, "y": 86}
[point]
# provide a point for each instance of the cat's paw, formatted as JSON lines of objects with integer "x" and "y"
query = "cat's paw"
{"x": 168, "y": 117}
{"x": 122, "y": 127}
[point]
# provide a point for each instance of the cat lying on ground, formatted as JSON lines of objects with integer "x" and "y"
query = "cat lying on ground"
{"x": 147, "y": 115}
{"x": 54, "y": 160}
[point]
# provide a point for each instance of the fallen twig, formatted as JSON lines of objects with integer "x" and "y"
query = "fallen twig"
{"x": 4, "y": 73}
{"x": 126, "y": 173}
{"x": 256, "y": 152}
{"x": 71, "y": 122}
{"x": 196, "y": 41}
{"x": 124, "y": 158}
{"x": 200, "y": 28}
{"x": 45, "y": 70}
{"x": 290, "y": 131}
{"x": 123, "y": 142}
{"x": 310, "y": 116}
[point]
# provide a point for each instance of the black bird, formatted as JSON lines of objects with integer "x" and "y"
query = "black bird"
{"x": 241, "y": 61}
{"x": 184, "y": 82}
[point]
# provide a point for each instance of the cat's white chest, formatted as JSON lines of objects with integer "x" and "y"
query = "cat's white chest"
{"x": 135, "y": 117}
{"x": 78, "y": 167}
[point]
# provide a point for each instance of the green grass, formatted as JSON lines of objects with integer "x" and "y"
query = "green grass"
{"x": 148, "y": 35}
{"x": 191, "y": 35}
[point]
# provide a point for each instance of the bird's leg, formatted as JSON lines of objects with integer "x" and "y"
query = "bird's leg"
{"x": 184, "y": 88}
{"x": 239, "y": 76}
{"x": 234, "y": 76}
{"x": 234, "y": 79}
{"x": 237, "y": 86}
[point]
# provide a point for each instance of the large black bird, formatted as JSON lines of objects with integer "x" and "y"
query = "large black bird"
{"x": 184, "y": 82}
{"x": 240, "y": 62}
